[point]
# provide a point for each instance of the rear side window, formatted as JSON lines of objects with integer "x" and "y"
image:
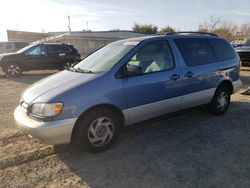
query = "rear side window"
{"x": 222, "y": 49}
{"x": 52, "y": 49}
{"x": 195, "y": 51}
{"x": 64, "y": 48}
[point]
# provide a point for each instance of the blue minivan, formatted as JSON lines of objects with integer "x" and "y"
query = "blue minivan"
{"x": 130, "y": 81}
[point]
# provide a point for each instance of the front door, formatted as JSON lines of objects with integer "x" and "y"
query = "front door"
{"x": 35, "y": 58}
{"x": 157, "y": 90}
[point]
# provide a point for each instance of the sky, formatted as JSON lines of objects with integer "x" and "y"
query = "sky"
{"x": 101, "y": 15}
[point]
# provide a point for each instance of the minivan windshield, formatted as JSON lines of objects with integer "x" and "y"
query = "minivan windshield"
{"x": 105, "y": 58}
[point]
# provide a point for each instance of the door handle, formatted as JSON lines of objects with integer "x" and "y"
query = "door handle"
{"x": 175, "y": 77}
{"x": 189, "y": 74}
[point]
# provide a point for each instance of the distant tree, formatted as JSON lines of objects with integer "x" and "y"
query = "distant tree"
{"x": 115, "y": 29}
{"x": 166, "y": 29}
{"x": 145, "y": 28}
{"x": 210, "y": 25}
{"x": 220, "y": 27}
{"x": 227, "y": 30}
{"x": 244, "y": 31}
{"x": 87, "y": 30}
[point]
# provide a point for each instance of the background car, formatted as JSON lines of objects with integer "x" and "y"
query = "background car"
{"x": 244, "y": 53}
{"x": 41, "y": 56}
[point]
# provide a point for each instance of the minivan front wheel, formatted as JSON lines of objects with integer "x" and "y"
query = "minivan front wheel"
{"x": 220, "y": 101}
{"x": 13, "y": 70}
{"x": 97, "y": 130}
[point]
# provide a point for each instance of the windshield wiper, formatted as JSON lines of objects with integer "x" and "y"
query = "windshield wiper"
{"x": 79, "y": 70}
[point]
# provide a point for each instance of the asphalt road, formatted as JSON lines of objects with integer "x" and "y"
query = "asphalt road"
{"x": 192, "y": 149}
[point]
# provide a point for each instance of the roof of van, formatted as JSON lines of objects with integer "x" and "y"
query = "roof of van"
{"x": 175, "y": 35}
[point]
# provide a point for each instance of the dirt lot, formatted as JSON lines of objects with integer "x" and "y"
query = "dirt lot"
{"x": 193, "y": 149}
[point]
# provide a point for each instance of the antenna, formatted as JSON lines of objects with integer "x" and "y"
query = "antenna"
{"x": 69, "y": 24}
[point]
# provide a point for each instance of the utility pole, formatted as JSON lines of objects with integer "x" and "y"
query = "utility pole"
{"x": 69, "y": 25}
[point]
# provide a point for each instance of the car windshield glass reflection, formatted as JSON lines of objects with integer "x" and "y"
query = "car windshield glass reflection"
{"x": 25, "y": 48}
{"x": 105, "y": 58}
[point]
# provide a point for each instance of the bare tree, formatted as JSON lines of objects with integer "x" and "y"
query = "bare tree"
{"x": 210, "y": 25}
{"x": 220, "y": 27}
{"x": 227, "y": 30}
{"x": 245, "y": 31}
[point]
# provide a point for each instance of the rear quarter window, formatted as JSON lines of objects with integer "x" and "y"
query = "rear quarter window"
{"x": 195, "y": 51}
{"x": 222, "y": 49}
{"x": 64, "y": 48}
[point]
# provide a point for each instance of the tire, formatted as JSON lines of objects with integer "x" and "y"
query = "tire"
{"x": 97, "y": 130}
{"x": 220, "y": 101}
{"x": 64, "y": 66}
{"x": 13, "y": 70}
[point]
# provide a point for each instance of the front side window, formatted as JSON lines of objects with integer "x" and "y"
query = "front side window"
{"x": 153, "y": 57}
{"x": 36, "y": 50}
{"x": 195, "y": 51}
{"x": 105, "y": 58}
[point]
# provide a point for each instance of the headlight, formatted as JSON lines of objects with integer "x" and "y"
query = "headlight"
{"x": 46, "y": 109}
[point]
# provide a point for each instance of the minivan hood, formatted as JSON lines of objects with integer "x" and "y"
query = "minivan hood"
{"x": 56, "y": 84}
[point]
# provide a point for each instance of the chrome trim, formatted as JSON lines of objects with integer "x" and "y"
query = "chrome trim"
{"x": 54, "y": 132}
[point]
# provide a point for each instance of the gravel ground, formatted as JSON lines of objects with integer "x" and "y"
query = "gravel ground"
{"x": 192, "y": 149}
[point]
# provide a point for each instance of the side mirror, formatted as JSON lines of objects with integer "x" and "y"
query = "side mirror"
{"x": 133, "y": 70}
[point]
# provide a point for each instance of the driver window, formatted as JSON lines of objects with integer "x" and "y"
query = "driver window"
{"x": 37, "y": 50}
{"x": 154, "y": 57}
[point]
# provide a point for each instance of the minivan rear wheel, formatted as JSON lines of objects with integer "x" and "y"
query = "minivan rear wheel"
{"x": 97, "y": 130}
{"x": 13, "y": 70}
{"x": 220, "y": 101}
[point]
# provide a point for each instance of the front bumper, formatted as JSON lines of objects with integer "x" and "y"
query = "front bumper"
{"x": 54, "y": 132}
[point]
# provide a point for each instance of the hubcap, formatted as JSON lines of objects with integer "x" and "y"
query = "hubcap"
{"x": 222, "y": 101}
{"x": 14, "y": 70}
{"x": 101, "y": 131}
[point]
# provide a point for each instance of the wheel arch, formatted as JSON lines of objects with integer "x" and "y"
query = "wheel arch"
{"x": 5, "y": 64}
{"x": 92, "y": 109}
{"x": 228, "y": 84}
